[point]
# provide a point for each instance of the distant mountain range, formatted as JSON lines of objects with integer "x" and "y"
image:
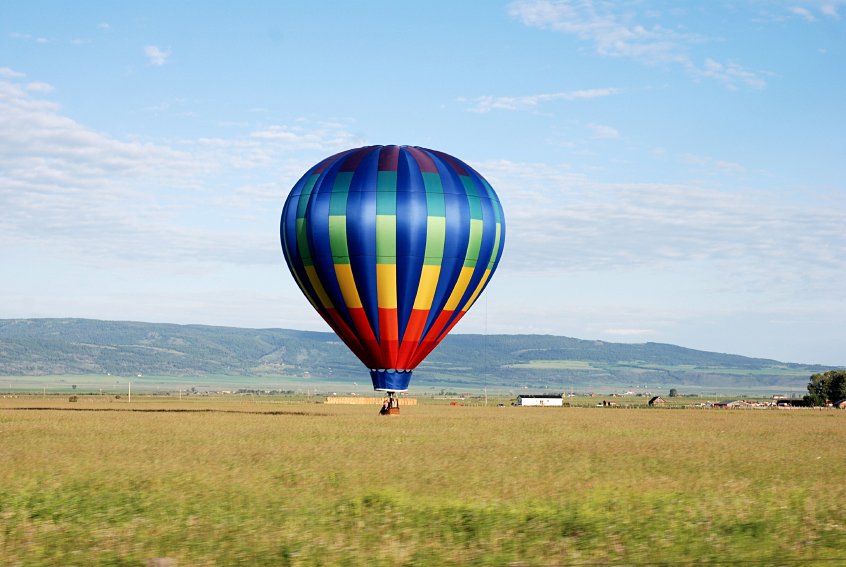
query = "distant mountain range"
{"x": 33, "y": 347}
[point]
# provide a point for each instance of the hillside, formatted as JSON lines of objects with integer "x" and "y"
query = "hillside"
{"x": 32, "y": 347}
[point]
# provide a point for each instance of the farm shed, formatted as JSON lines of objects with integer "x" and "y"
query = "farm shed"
{"x": 791, "y": 403}
{"x": 657, "y": 401}
{"x": 841, "y": 404}
{"x": 540, "y": 400}
{"x": 733, "y": 404}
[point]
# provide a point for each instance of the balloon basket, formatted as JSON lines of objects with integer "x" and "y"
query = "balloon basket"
{"x": 390, "y": 405}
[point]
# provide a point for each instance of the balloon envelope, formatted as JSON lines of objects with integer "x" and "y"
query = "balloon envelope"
{"x": 392, "y": 245}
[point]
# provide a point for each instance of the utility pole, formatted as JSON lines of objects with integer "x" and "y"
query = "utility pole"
{"x": 485, "y": 357}
{"x": 129, "y": 391}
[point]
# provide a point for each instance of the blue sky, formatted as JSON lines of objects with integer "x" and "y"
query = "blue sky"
{"x": 670, "y": 171}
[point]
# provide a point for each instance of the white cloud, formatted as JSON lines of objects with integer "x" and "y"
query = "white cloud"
{"x": 612, "y": 32}
{"x": 729, "y": 167}
{"x": 604, "y": 132}
{"x": 28, "y": 37}
{"x": 269, "y": 145}
{"x": 156, "y": 56}
{"x": 807, "y": 11}
{"x": 76, "y": 190}
{"x": 613, "y": 29}
{"x": 803, "y": 12}
{"x": 730, "y": 74}
{"x": 38, "y": 87}
{"x": 714, "y": 165}
{"x": 485, "y": 104}
{"x": 100, "y": 201}
{"x": 7, "y": 73}
{"x": 276, "y": 133}
{"x": 103, "y": 26}
{"x": 830, "y": 10}
{"x": 562, "y": 223}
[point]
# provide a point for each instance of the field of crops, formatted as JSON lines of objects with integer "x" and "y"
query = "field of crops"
{"x": 213, "y": 482}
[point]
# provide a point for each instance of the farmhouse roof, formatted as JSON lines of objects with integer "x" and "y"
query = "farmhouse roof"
{"x": 540, "y": 396}
{"x": 656, "y": 399}
{"x": 731, "y": 403}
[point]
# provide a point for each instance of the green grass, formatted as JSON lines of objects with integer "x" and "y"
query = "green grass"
{"x": 298, "y": 483}
{"x": 742, "y": 372}
{"x": 555, "y": 365}
{"x": 678, "y": 368}
{"x": 97, "y": 383}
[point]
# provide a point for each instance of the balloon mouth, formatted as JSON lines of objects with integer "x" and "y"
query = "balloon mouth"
{"x": 390, "y": 380}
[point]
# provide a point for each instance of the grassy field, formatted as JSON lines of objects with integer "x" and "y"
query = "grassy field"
{"x": 212, "y": 482}
{"x": 93, "y": 383}
{"x": 556, "y": 365}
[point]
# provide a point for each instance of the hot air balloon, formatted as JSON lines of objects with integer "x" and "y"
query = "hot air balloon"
{"x": 392, "y": 245}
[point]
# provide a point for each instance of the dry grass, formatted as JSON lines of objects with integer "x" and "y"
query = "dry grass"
{"x": 308, "y": 484}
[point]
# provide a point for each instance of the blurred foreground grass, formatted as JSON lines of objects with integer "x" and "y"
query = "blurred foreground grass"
{"x": 310, "y": 484}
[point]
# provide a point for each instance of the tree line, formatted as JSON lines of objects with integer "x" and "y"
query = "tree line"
{"x": 826, "y": 388}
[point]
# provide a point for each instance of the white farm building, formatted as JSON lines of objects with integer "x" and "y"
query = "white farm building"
{"x": 540, "y": 400}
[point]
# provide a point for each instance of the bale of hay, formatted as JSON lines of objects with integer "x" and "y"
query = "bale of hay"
{"x": 357, "y": 400}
